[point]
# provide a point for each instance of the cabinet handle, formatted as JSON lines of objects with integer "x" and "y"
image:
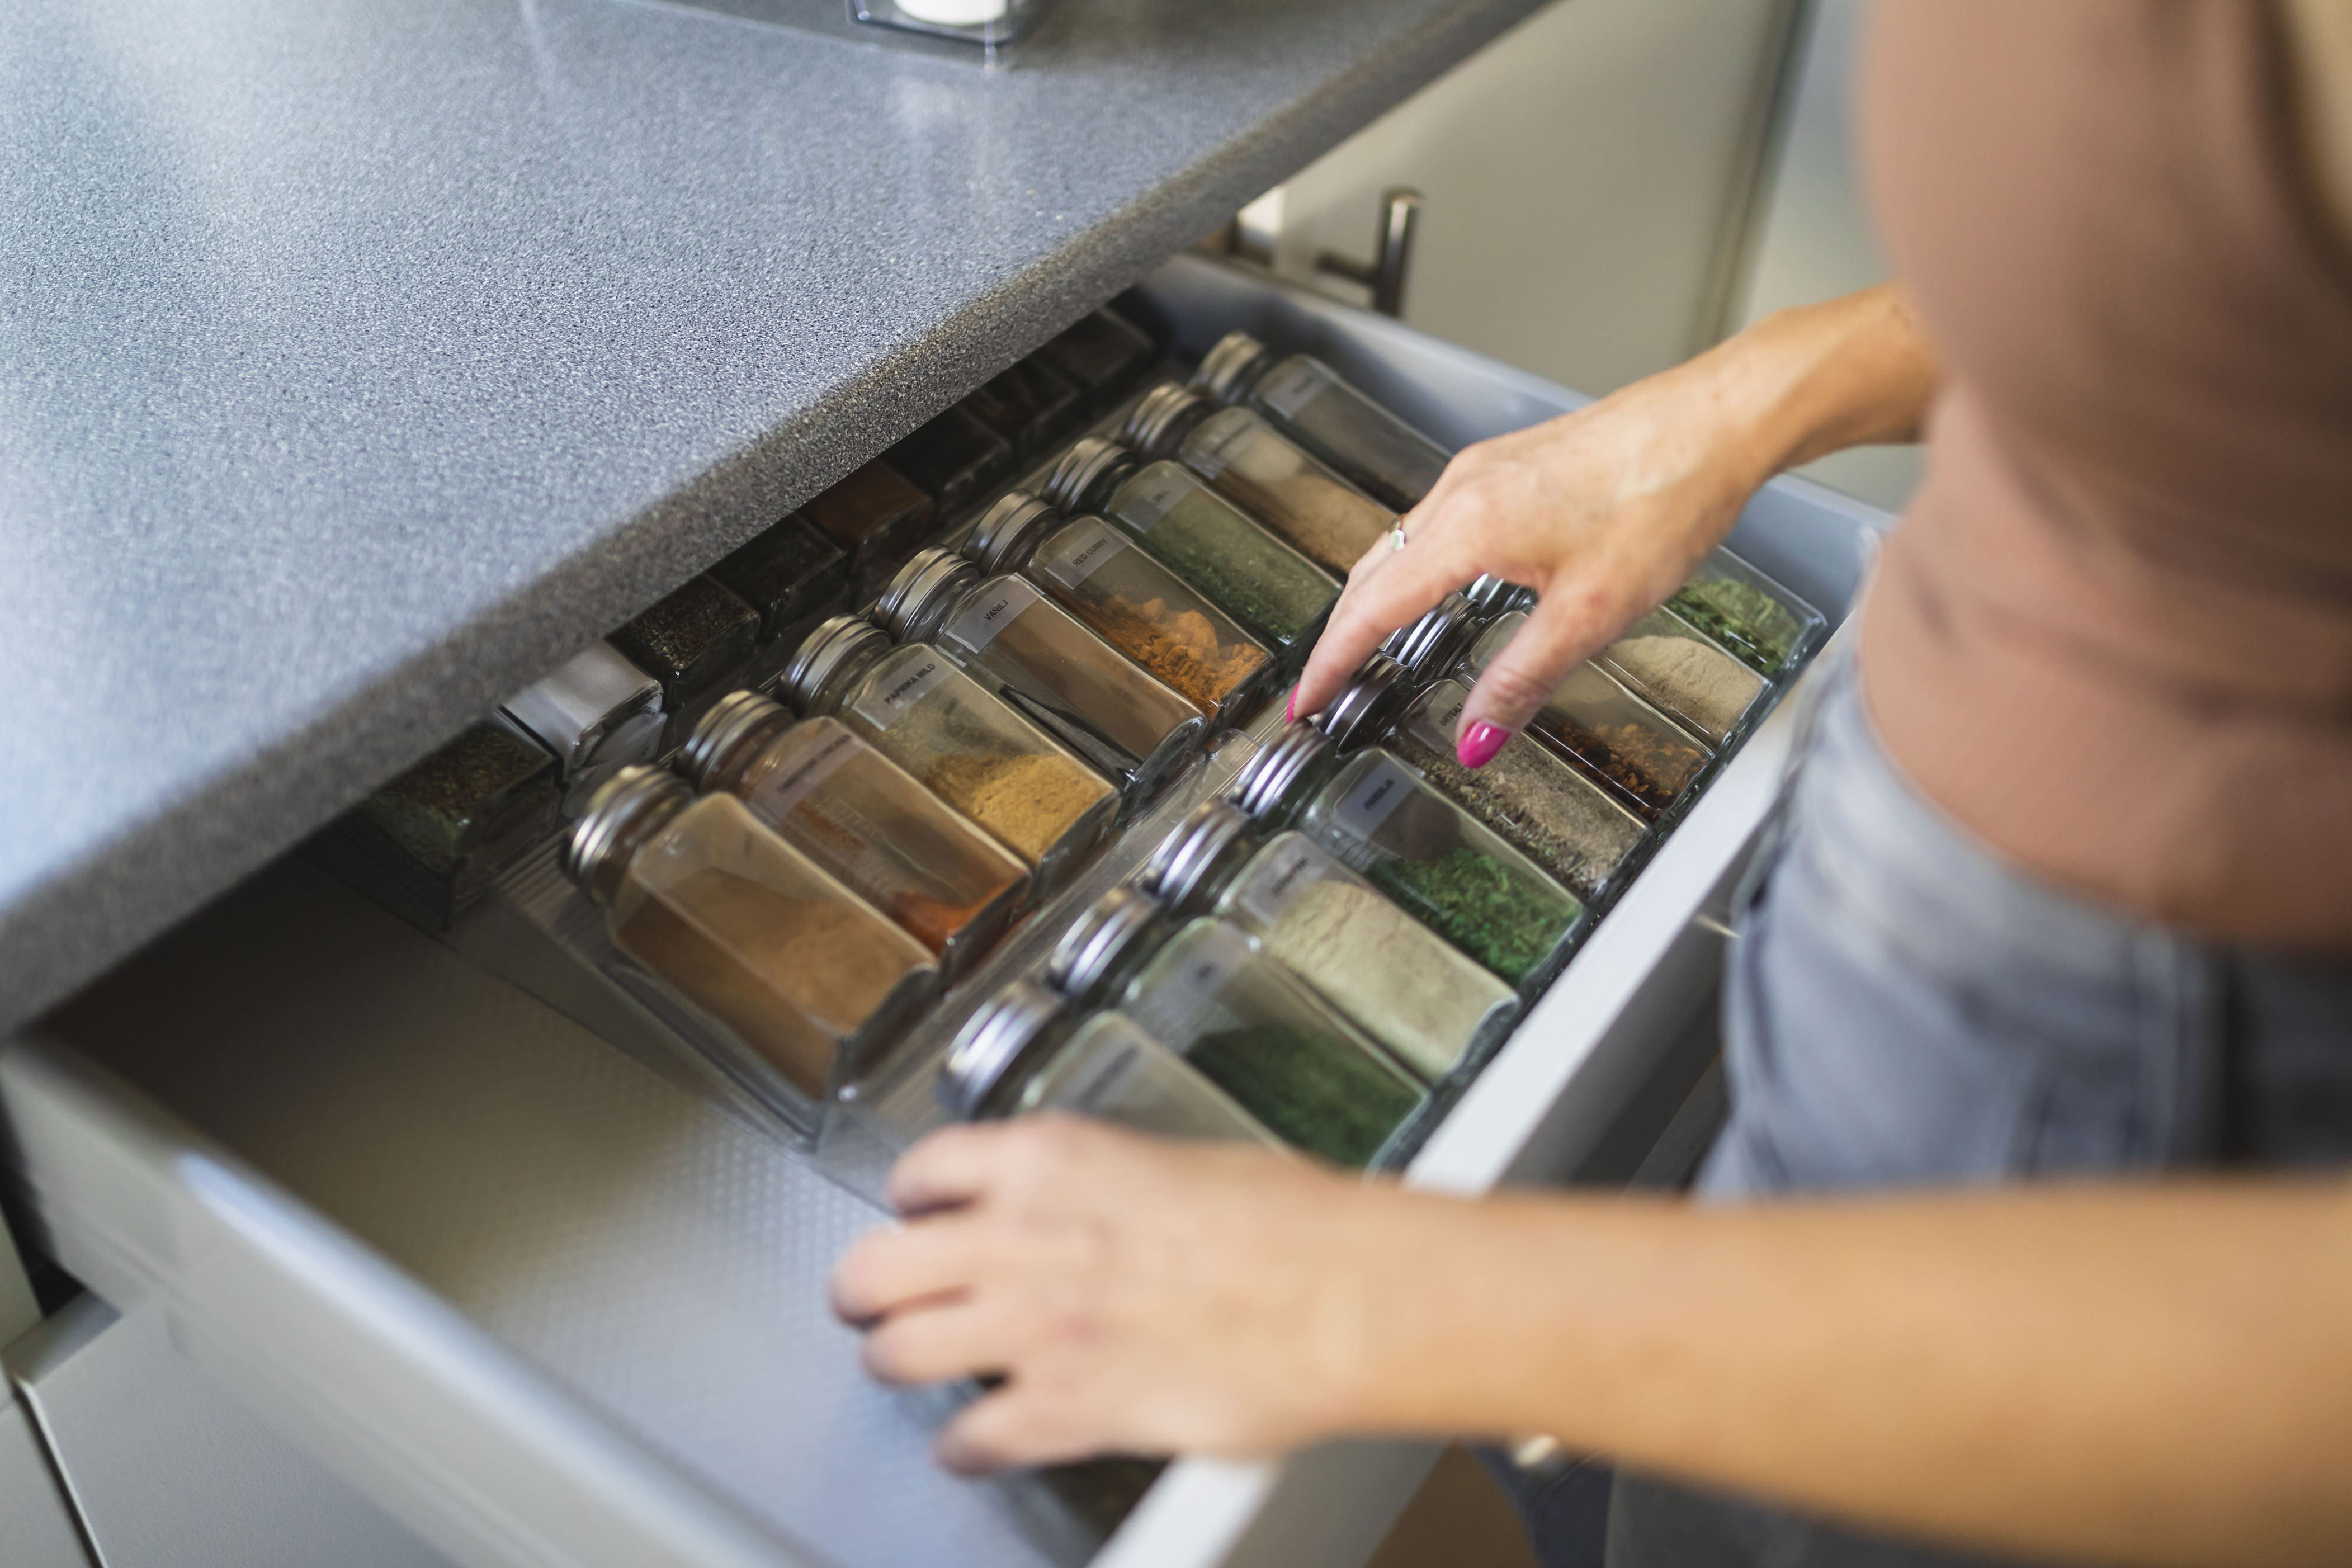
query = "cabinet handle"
{"x": 1384, "y": 275}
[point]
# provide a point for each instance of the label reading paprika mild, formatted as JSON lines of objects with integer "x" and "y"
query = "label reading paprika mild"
{"x": 1383, "y": 788}
{"x": 882, "y": 706}
{"x": 1079, "y": 550}
{"x": 986, "y": 613}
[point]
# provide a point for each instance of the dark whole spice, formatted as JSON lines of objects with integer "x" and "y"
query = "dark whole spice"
{"x": 951, "y": 459}
{"x": 1320, "y": 1094}
{"x": 1030, "y": 404}
{"x": 1645, "y": 762}
{"x": 1536, "y": 802}
{"x": 1504, "y": 921}
{"x": 787, "y": 574}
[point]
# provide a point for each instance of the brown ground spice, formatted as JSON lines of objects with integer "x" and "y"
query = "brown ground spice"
{"x": 1181, "y": 648}
{"x": 1027, "y": 801}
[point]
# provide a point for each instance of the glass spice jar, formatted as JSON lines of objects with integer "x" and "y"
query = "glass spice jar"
{"x": 792, "y": 576}
{"x": 1102, "y": 353}
{"x": 1025, "y": 1050}
{"x": 865, "y": 819}
{"x": 1187, "y": 869}
{"x": 1691, "y": 678}
{"x": 1030, "y": 406}
{"x": 1130, "y": 600}
{"x": 1103, "y": 948}
{"x": 981, "y": 757}
{"x": 1644, "y": 757}
{"x": 1762, "y": 624}
{"x": 954, "y": 459}
{"x": 430, "y": 839}
{"x": 1439, "y": 863}
{"x": 874, "y": 515}
{"x": 1433, "y": 645}
{"x": 698, "y": 643}
{"x": 595, "y": 713}
{"x": 747, "y": 927}
{"x": 1263, "y": 1035}
{"x": 1044, "y": 662}
{"x": 1492, "y": 595}
{"x": 1276, "y": 593}
{"x": 1328, "y": 520}
{"x": 1377, "y": 452}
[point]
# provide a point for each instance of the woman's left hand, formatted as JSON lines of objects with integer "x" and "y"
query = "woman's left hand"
{"x": 1138, "y": 1295}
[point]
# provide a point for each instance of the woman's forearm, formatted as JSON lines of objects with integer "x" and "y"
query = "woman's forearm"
{"x": 2158, "y": 1373}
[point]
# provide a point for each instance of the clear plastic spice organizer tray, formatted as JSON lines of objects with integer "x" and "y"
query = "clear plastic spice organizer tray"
{"x": 490, "y": 1230}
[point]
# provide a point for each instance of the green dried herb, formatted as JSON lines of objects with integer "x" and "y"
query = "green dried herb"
{"x": 1480, "y": 905}
{"x": 1277, "y": 594}
{"x": 1320, "y": 1093}
{"x": 1748, "y": 622}
{"x": 1537, "y": 803}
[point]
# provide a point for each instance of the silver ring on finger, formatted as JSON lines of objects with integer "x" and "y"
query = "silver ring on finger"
{"x": 1397, "y": 538}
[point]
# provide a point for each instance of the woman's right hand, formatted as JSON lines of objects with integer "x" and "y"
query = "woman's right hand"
{"x": 1606, "y": 511}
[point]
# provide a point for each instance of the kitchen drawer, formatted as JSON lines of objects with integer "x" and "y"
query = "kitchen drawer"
{"x": 549, "y": 1306}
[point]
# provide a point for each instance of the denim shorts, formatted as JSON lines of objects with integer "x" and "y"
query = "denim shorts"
{"x": 1903, "y": 1009}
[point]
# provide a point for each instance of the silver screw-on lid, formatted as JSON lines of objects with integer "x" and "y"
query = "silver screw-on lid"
{"x": 1362, "y": 712}
{"x": 728, "y": 735}
{"x": 1102, "y": 941}
{"x": 1191, "y": 853}
{"x": 1082, "y": 470}
{"x": 625, "y": 810}
{"x": 1161, "y": 420}
{"x": 1007, "y": 529}
{"x": 1430, "y": 645}
{"x": 1492, "y": 595}
{"x": 1265, "y": 784}
{"x": 990, "y": 1041}
{"x": 920, "y": 596}
{"x": 1232, "y": 367}
{"x": 823, "y": 653}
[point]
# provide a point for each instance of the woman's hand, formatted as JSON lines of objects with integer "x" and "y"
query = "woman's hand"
{"x": 1604, "y": 511}
{"x": 1138, "y": 1295}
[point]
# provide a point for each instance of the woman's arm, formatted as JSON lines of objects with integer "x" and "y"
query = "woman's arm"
{"x": 1606, "y": 511}
{"x": 2153, "y": 1373}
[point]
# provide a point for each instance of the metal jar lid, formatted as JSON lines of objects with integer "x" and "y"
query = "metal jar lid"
{"x": 991, "y": 1040}
{"x": 1429, "y": 647}
{"x": 1361, "y": 714}
{"x": 623, "y": 812}
{"x": 1265, "y": 786}
{"x": 918, "y": 597}
{"x": 1188, "y": 859}
{"x": 834, "y": 646}
{"x": 1493, "y": 596}
{"x": 1161, "y": 420}
{"x": 1232, "y": 367}
{"x": 1017, "y": 519}
{"x": 1081, "y": 469}
{"x": 728, "y": 735}
{"x": 1106, "y": 940}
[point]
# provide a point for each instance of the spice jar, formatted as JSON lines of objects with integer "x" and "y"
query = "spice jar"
{"x": 696, "y": 643}
{"x": 747, "y": 927}
{"x": 1130, "y": 600}
{"x": 874, "y": 515}
{"x": 792, "y": 576}
{"x": 429, "y": 841}
{"x": 1043, "y": 661}
{"x": 1276, "y": 593}
{"x": 1377, "y": 452}
{"x": 1024, "y": 1050}
{"x": 1432, "y": 645}
{"x": 1263, "y": 1035}
{"x": 1102, "y": 353}
{"x": 1442, "y": 865}
{"x": 953, "y": 460}
{"x": 1187, "y": 869}
{"x": 1029, "y": 407}
{"x": 979, "y": 756}
{"x": 1644, "y": 757}
{"x": 1666, "y": 660}
{"x": 594, "y": 713}
{"x": 1107, "y": 945}
{"x": 1760, "y": 622}
{"x": 1395, "y": 978}
{"x": 836, "y": 798}
{"x": 1330, "y": 521}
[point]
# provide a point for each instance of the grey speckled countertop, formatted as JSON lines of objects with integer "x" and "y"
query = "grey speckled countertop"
{"x": 360, "y": 359}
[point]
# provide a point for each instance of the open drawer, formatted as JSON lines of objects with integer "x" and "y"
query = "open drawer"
{"x": 550, "y": 1306}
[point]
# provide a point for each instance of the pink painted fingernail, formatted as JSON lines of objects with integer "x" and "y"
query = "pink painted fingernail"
{"x": 1480, "y": 743}
{"x": 1290, "y": 711}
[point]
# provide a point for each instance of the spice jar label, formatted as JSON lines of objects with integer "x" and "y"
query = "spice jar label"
{"x": 1176, "y": 1000}
{"x": 1293, "y": 382}
{"x": 885, "y": 706}
{"x": 1434, "y": 714}
{"x": 985, "y": 614}
{"x": 1081, "y": 550}
{"x": 781, "y": 796}
{"x": 1282, "y": 870}
{"x": 1147, "y": 499}
{"x": 1383, "y": 788}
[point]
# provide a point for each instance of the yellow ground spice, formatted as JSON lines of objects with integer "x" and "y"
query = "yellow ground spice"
{"x": 1028, "y": 801}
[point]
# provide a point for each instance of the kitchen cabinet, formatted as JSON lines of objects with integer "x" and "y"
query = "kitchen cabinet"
{"x": 545, "y": 1306}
